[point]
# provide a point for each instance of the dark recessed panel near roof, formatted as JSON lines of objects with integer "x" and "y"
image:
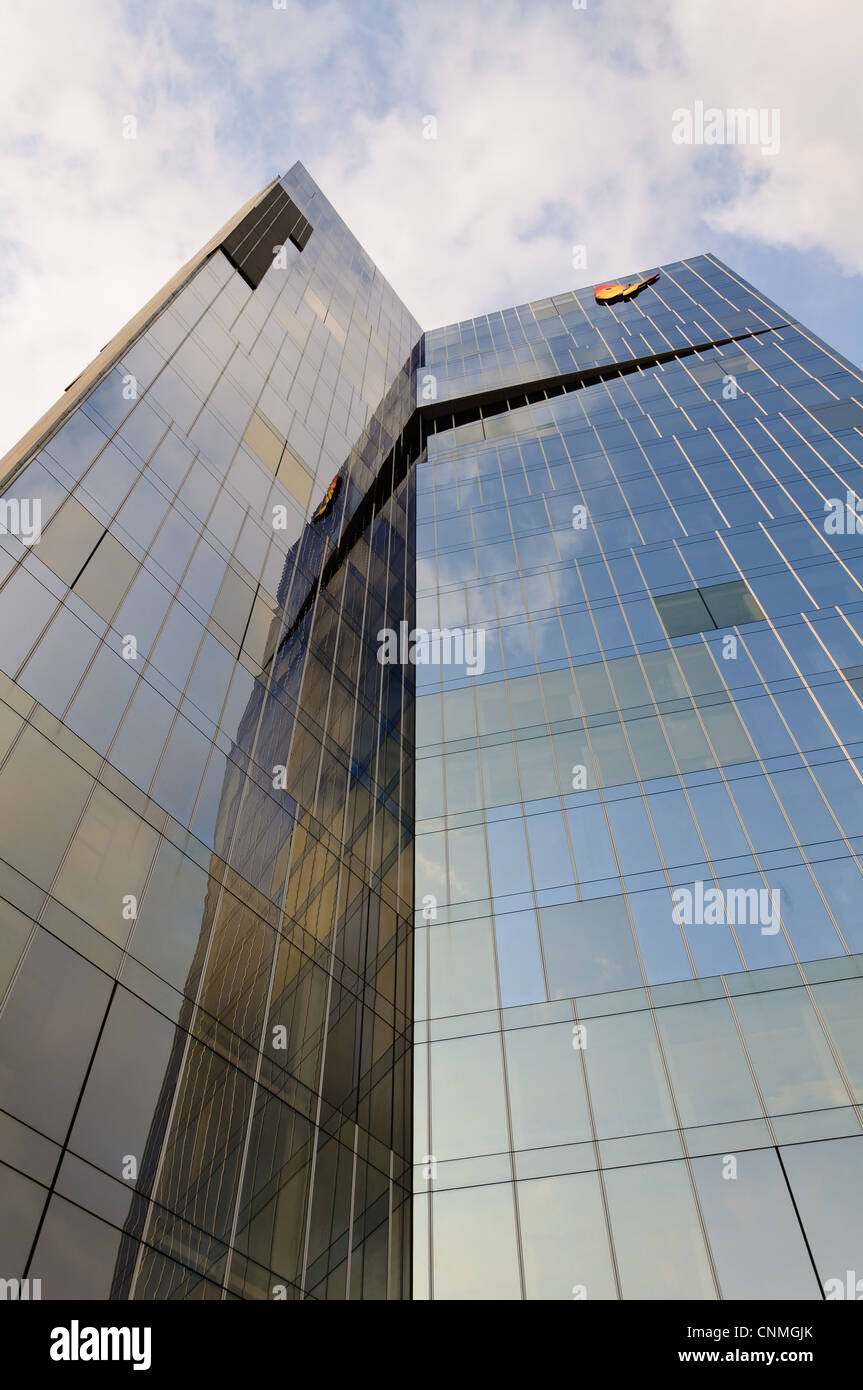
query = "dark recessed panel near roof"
{"x": 252, "y": 245}
{"x": 839, "y": 415}
{"x": 701, "y": 610}
{"x": 717, "y": 368}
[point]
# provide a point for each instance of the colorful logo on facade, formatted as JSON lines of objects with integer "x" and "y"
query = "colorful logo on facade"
{"x": 610, "y": 294}
{"x": 330, "y": 496}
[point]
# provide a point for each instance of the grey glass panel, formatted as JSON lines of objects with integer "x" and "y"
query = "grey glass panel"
{"x": 42, "y": 793}
{"x": 47, "y": 1033}
{"x": 683, "y": 613}
{"x": 264, "y": 630}
{"x": 107, "y": 482}
{"x": 90, "y": 1188}
{"x": 468, "y": 874}
{"x": 594, "y": 688}
{"x": 76, "y": 444}
{"x": 198, "y": 362}
{"x": 758, "y": 1246}
{"x": 841, "y": 1003}
{"x": 792, "y": 1061}
{"x": 10, "y": 724}
{"x": 59, "y": 661}
{"x": 519, "y": 961}
{"x": 564, "y": 1238}
{"x": 660, "y": 940}
{"x": 633, "y": 837}
{"x": 429, "y": 789}
{"x": 461, "y": 968}
{"x": 588, "y": 947}
{"x": 475, "y": 1251}
{"x": 25, "y": 607}
{"x": 525, "y": 703}
{"x": 98, "y": 707}
{"x": 142, "y": 430}
{"x": 170, "y": 920}
{"x": 171, "y": 460}
{"x": 69, "y": 539}
{"x": 21, "y": 1204}
{"x": 106, "y": 576}
{"x": 839, "y": 415}
{"x": 613, "y": 761}
{"x": 591, "y": 843}
{"x": 142, "y": 512}
{"x": 108, "y": 860}
{"x": 803, "y": 913}
{"x": 179, "y": 776}
{"x": 559, "y": 690}
{"x": 141, "y": 739}
{"x": 110, "y": 401}
{"x": 204, "y": 576}
{"x": 173, "y": 545}
{"x": 827, "y": 1180}
{"x": 462, "y": 781}
{"x": 492, "y": 708}
{"x": 686, "y": 737}
{"x": 467, "y": 1097}
{"x": 698, "y": 668}
{"x": 712, "y": 1083}
{"x": 177, "y": 647}
{"x": 628, "y": 1089}
{"x": 549, "y": 850}
{"x": 732, "y": 603}
{"x": 38, "y": 480}
{"x": 575, "y": 765}
{"x": 536, "y": 768}
{"x": 840, "y": 881}
{"x": 273, "y": 1230}
{"x": 665, "y": 679}
{"x": 546, "y": 1087}
{"x": 630, "y": 687}
{"x": 175, "y": 397}
{"x": 650, "y": 748}
{"x": 233, "y": 606}
{"x": 225, "y": 519}
{"x": 15, "y": 931}
{"x": 143, "y": 611}
{"x": 114, "y": 1119}
{"x": 76, "y": 1253}
{"x": 718, "y": 820}
{"x": 209, "y": 683}
{"x": 657, "y": 1235}
{"x": 727, "y": 734}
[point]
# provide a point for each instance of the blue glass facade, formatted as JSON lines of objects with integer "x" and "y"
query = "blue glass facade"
{"x": 627, "y": 1085}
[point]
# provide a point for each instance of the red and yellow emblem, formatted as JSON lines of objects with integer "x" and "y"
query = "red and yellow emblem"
{"x": 330, "y": 496}
{"x": 610, "y": 294}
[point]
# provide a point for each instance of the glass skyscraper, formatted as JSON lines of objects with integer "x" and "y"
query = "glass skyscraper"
{"x": 430, "y": 794}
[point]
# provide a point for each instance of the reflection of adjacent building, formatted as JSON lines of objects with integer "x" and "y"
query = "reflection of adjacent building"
{"x": 282, "y": 1129}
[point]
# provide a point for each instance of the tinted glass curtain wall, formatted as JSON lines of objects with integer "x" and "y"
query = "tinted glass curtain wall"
{"x": 207, "y": 877}
{"x": 521, "y": 962}
{"x": 638, "y": 1046}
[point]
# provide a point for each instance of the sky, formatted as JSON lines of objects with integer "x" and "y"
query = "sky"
{"x": 554, "y": 125}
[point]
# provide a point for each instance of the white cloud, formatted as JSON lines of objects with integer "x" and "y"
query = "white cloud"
{"x": 551, "y": 105}
{"x": 554, "y": 128}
